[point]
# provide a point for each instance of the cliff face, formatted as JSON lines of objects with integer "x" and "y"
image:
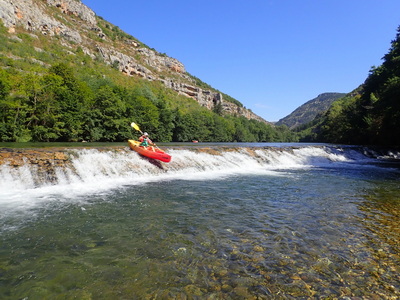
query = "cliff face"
{"x": 78, "y": 26}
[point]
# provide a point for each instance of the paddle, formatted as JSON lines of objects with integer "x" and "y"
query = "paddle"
{"x": 135, "y": 126}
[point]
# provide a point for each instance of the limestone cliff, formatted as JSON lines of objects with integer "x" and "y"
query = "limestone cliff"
{"x": 78, "y": 26}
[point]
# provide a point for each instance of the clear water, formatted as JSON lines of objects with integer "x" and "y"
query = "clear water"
{"x": 306, "y": 223}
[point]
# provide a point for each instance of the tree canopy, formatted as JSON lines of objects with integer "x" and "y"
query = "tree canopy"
{"x": 59, "y": 105}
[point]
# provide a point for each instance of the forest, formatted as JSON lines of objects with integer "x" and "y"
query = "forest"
{"x": 59, "y": 106}
{"x": 370, "y": 115}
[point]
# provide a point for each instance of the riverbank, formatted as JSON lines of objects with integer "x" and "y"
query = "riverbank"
{"x": 42, "y": 157}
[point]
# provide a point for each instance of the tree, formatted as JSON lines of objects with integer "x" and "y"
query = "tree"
{"x": 72, "y": 96}
{"x": 185, "y": 128}
{"x": 142, "y": 111}
{"x": 223, "y": 129}
{"x": 164, "y": 131}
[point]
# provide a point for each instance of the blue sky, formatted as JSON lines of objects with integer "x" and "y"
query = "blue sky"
{"x": 271, "y": 55}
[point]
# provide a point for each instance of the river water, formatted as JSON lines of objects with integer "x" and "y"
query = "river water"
{"x": 233, "y": 222}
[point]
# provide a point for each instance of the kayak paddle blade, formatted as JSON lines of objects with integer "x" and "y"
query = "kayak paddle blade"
{"x": 135, "y": 126}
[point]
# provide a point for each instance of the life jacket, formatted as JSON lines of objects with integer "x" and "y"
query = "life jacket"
{"x": 145, "y": 143}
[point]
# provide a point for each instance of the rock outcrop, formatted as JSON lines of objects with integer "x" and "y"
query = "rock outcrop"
{"x": 77, "y": 24}
{"x": 32, "y": 16}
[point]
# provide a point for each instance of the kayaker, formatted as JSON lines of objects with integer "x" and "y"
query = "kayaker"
{"x": 145, "y": 141}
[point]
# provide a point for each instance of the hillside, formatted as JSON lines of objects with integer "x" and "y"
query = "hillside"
{"x": 69, "y": 75}
{"x": 309, "y": 110}
{"x": 77, "y": 26}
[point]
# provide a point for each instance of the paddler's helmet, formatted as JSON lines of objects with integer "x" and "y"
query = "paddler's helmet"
{"x": 145, "y": 134}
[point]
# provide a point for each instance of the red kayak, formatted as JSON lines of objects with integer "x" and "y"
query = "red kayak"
{"x": 150, "y": 151}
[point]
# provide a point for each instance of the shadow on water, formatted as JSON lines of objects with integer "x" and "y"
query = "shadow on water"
{"x": 154, "y": 162}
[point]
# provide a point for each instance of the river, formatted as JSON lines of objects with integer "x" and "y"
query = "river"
{"x": 233, "y": 221}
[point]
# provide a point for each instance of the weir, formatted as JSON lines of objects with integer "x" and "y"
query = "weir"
{"x": 34, "y": 168}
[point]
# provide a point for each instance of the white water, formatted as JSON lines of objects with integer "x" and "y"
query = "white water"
{"x": 94, "y": 171}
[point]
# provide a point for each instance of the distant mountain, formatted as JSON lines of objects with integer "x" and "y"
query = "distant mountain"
{"x": 308, "y": 111}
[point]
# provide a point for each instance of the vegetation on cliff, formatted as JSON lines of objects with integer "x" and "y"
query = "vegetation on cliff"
{"x": 370, "y": 114}
{"x": 52, "y": 93}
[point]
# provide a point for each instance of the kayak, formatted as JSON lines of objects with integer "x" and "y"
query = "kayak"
{"x": 150, "y": 152}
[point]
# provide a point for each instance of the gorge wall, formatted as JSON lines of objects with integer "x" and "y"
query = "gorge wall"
{"x": 77, "y": 26}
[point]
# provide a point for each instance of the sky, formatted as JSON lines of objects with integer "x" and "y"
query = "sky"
{"x": 271, "y": 55}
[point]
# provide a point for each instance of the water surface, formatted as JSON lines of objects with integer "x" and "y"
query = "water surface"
{"x": 310, "y": 223}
